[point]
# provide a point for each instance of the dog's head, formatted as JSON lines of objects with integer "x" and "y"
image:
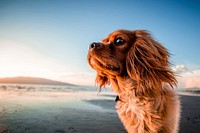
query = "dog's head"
{"x": 133, "y": 54}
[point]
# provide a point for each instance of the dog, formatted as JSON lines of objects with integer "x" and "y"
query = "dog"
{"x": 138, "y": 69}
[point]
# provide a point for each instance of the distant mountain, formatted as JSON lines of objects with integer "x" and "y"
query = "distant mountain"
{"x": 31, "y": 80}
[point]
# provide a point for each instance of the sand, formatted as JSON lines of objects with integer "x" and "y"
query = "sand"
{"x": 190, "y": 116}
{"x": 75, "y": 112}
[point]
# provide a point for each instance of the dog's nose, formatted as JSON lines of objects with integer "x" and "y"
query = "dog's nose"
{"x": 94, "y": 45}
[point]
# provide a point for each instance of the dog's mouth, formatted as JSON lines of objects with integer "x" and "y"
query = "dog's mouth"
{"x": 102, "y": 65}
{"x": 110, "y": 67}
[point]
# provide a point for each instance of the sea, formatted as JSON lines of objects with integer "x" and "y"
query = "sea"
{"x": 75, "y": 88}
{"x": 48, "y": 88}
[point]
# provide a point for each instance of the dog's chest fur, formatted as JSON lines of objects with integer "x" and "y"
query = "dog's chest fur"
{"x": 140, "y": 113}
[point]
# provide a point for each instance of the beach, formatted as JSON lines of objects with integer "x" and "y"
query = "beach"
{"x": 54, "y": 109}
{"x": 190, "y": 115}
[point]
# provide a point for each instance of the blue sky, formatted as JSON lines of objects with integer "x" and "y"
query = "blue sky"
{"x": 50, "y": 38}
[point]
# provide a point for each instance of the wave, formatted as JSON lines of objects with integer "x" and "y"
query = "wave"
{"x": 47, "y": 88}
{"x": 189, "y": 91}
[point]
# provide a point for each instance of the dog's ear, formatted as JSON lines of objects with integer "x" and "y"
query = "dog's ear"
{"x": 102, "y": 81}
{"x": 147, "y": 62}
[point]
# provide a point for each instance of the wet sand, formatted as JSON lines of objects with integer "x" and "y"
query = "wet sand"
{"x": 75, "y": 112}
{"x": 58, "y": 112}
{"x": 190, "y": 116}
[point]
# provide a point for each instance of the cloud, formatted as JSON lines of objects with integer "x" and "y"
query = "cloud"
{"x": 187, "y": 78}
{"x": 180, "y": 69}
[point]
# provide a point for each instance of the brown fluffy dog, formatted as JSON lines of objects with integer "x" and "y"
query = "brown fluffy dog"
{"x": 137, "y": 67}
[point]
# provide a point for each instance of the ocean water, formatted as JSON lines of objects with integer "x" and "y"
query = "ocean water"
{"x": 70, "y": 96}
{"x": 52, "y": 109}
{"x": 48, "y": 88}
{"x": 73, "y": 88}
{"x": 188, "y": 91}
{"x": 28, "y": 88}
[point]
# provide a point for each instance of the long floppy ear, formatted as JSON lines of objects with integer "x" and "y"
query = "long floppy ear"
{"x": 147, "y": 63}
{"x": 102, "y": 80}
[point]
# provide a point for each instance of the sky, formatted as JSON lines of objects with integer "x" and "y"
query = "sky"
{"x": 50, "y": 38}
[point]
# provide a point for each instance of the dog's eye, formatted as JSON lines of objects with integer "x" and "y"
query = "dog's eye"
{"x": 119, "y": 42}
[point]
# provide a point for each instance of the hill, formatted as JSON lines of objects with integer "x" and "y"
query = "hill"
{"x": 31, "y": 80}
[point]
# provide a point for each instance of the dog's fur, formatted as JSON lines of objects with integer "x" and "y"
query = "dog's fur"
{"x": 138, "y": 69}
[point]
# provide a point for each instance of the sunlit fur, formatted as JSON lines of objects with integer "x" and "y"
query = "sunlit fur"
{"x": 139, "y": 72}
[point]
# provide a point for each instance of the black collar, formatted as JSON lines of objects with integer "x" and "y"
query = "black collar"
{"x": 117, "y": 99}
